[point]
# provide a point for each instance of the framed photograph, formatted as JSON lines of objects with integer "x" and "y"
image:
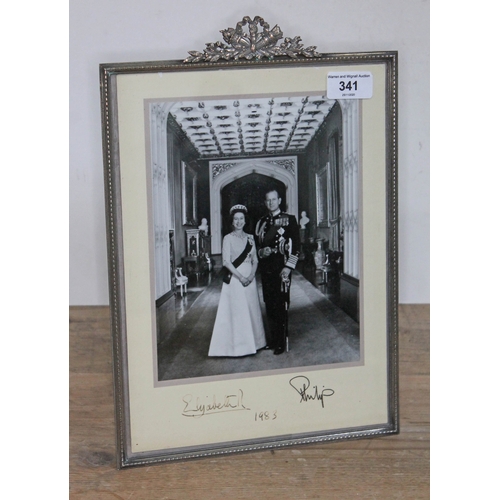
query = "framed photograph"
{"x": 323, "y": 196}
{"x": 252, "y": 240}
{"x": 189, "y": 192}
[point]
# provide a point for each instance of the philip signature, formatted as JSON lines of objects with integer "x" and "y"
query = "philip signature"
{"x": 301, "y": 384}
{"x": 199, "y": 406}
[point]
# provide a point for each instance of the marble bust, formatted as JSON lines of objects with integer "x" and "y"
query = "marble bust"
{"x": 203, "y": 226}
{"x": 303, "y": 220}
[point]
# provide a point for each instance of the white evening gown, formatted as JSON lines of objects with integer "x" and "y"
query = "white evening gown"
{"x": 238, "y": 329}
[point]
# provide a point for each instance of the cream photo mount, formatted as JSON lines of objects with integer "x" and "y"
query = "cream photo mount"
{"x": 285, "y": 402}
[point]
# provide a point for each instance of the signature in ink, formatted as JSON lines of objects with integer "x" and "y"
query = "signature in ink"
{"x": 307, "y": 393}
{"x": 198, "y": 406}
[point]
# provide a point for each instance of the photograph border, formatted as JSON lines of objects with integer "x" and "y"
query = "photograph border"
{"x": 114, "y": 223}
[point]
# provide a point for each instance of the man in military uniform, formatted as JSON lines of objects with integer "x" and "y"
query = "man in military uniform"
{"x": 278, "y": 244}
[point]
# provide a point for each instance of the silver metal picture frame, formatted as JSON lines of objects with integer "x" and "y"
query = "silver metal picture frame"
{"x": 184, "y": 142}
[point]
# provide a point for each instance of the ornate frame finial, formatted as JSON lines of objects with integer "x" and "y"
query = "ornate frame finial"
{"x": 240, "y": 45}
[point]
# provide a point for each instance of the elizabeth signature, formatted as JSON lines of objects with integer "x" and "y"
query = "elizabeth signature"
{"x": 302, "y": 385}
{"x": 198, "y": 406}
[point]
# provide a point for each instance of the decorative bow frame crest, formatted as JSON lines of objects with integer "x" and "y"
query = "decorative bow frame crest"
{"x": 240, "y": 45}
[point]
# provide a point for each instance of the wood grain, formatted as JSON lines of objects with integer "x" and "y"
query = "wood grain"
{"x": 391, "y": 467}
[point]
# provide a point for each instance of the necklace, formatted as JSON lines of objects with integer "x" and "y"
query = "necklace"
{"x": 241, "y": 236}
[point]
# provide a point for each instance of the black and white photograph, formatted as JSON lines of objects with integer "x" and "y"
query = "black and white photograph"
{"x": 256, "y": 222}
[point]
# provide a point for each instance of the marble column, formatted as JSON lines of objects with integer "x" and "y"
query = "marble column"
{"x": 161, "y": 203}
{"x": 350, "y": 123}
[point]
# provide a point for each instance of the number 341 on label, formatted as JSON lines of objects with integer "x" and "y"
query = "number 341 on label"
{"x": 349, "y": 85}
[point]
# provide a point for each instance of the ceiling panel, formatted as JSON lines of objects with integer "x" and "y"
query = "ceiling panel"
{"x": 251, "y": 126}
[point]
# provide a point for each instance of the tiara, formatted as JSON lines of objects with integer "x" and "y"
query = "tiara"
{"x": 238, "y": 207}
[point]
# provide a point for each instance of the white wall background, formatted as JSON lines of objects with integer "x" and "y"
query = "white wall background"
{"x": 130, "y": 30}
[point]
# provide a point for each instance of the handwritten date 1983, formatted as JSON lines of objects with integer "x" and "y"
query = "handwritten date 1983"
{"x": 261, "y": 416}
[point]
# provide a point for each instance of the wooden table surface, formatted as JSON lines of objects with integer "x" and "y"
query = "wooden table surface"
{"x": 385, "y": 467}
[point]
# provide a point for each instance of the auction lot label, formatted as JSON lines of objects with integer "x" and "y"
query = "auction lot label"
{"x": 349, "y": 85}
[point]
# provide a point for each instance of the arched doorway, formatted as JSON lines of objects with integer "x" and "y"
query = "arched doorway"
{"x": 249, "y": 190}
{"x": 280, "y": 170}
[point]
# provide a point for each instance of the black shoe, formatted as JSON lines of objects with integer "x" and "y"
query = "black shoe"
{"x": 267, "y": 347}
{"x": 279, "y": 350}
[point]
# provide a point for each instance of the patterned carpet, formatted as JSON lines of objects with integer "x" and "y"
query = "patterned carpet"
{"x": 319, "y": 334}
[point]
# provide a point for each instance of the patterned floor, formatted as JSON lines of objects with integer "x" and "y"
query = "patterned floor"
{"x": 319, "y": 334}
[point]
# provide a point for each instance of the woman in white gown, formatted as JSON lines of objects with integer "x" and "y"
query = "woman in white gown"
{"x": 238, "y": 329}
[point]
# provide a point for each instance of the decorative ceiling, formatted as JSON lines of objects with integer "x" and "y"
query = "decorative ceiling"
{"x": 251, "y": 126}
